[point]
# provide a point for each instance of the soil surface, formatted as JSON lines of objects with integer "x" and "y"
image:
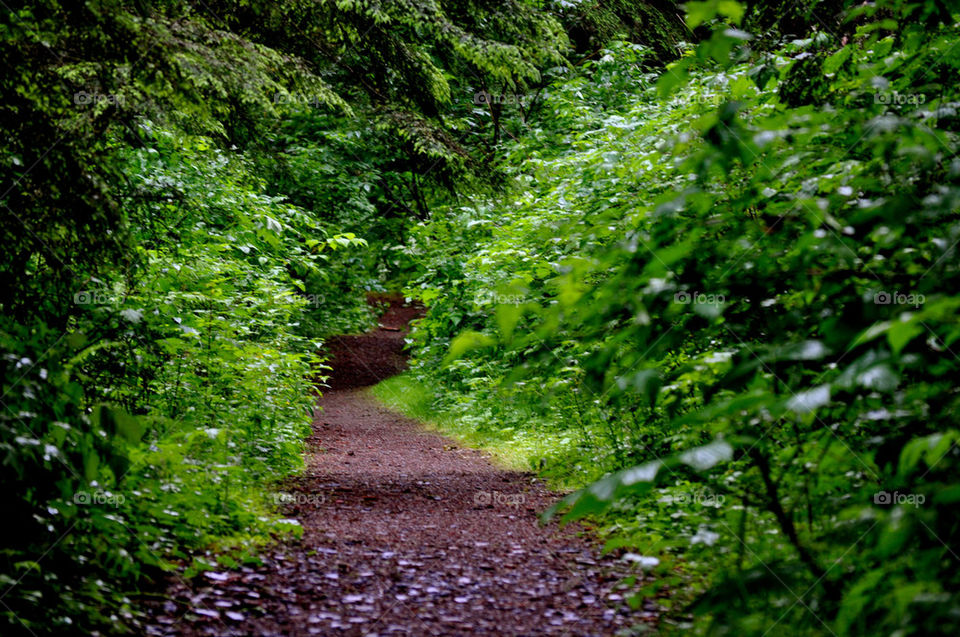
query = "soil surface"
{"x": 406, "y": 533}
{"x": 366, "y": 359}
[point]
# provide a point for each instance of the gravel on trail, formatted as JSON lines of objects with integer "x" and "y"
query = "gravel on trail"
{"x": 407, "y": 533}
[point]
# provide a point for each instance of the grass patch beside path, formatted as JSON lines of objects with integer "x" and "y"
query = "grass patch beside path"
{"x": 511, "y": 448}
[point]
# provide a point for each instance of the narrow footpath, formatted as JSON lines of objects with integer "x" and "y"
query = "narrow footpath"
{"x": 407, "y": 533}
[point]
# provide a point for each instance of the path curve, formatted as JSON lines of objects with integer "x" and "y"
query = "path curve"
{"x": 407, "y": 533}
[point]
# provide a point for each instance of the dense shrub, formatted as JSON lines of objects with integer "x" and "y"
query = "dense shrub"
{"x": 735, "y": 284}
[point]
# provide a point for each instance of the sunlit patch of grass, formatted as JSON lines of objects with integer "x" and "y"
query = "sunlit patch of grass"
{"x": 516, "y": 449}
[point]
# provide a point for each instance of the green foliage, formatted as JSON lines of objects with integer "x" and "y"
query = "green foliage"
{"x": 188, "y": 195}
{"x": 736, "y": 284}
{"x": 148, "y": 428}
{"x": 723, "y": 292}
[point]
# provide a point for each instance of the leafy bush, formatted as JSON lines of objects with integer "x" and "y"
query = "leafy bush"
{"x": 738, "y": 282}
{"x": 149, "y": 428}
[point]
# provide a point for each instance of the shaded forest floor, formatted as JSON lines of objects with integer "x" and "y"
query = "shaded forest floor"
{"x": 406, "y": 533}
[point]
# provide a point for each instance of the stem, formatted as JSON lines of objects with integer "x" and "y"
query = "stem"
{"x": 786, "y": 522}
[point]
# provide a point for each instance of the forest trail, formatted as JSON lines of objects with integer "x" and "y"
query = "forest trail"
{"x": 406, "y": 533}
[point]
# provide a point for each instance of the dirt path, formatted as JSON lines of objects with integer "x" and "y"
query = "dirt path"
{"x": 405, "y": 533}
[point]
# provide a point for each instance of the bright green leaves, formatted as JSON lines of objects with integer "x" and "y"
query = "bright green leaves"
{"x": 701, "y": 12}
{"x": 466, "y": 342}
{"x": 345, "y": 240}
{"x": 508, "y": 315}
{"x": 725, "y": 47}
{"x": 174, "y": 391}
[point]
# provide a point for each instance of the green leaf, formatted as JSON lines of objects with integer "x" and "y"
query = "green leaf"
{"x": 466, "y": 342}
{"x": 508, "y": 315}
{"x": 902, "y": 331}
